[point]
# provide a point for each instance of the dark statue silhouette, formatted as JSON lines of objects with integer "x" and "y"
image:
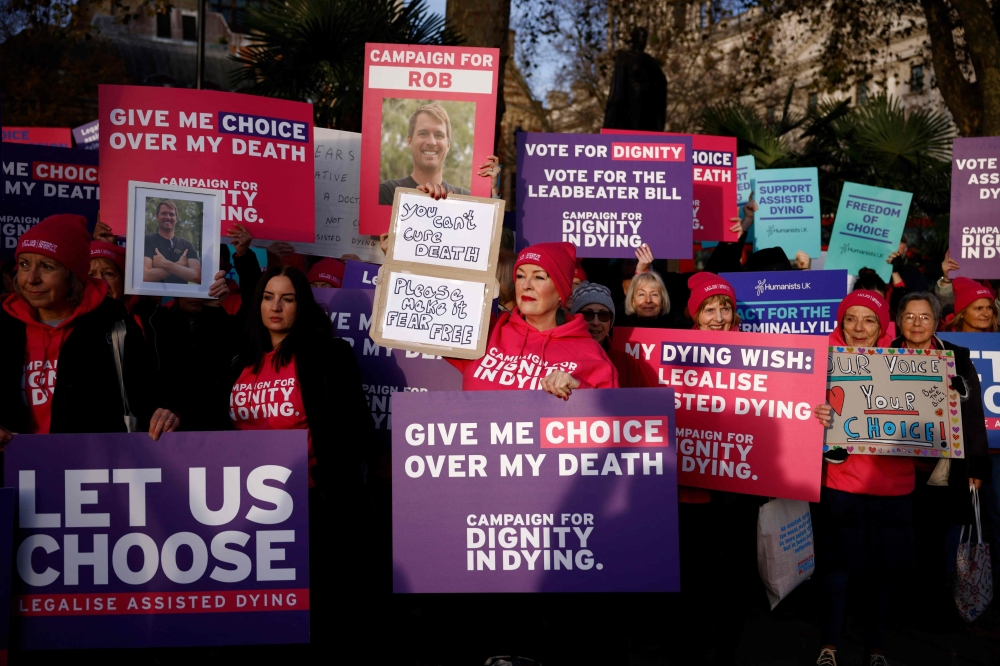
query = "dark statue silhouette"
{"x": 638, "y": 96}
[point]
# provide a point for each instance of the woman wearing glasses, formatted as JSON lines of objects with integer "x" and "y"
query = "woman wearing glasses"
{"x": 941, "y": 496}
{"x": 593, "y": 302}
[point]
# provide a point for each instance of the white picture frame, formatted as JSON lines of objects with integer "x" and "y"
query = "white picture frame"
{"x": 211, "y": 202}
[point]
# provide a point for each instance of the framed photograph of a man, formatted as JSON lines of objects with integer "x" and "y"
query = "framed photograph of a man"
{"x": 172, "y": 246}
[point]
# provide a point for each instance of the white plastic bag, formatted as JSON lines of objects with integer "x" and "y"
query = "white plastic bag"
{"x": 785, "y": 555}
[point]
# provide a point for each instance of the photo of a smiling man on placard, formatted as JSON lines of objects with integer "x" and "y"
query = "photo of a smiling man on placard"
{"x": 433, "y": 140}
{"x": 168, "y": 257}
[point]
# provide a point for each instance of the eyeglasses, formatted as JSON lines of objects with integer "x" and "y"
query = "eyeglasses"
{"x": 924, "y": 319}
{"x": 601, "y": 316}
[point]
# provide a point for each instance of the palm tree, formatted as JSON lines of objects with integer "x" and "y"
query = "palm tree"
{"x": 313, "y": 50}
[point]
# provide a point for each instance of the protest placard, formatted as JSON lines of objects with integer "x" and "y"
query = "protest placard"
{"x": 789, "y": 215}
{"x": 197, "y": 539}
{"x": 43, "y": 181}
{"x": 867, "y": 229}
{"x": 6, "y": 566}
{"x": 54, "y": 137}
{"x": 337, "y": 166}
{"x": 746, "y": 178}
{"x": 985, "y": 351}
{"x": 606, "y": 194}
{"x": 713, "y": 160}
{"x": 744, "y": 406}
{"x": 432, "y": 315}
{"x": 359, "y": 275}
{"x": 257, "y": 150}
{"x": 87, "y": 135}
{"x": 172, "y": 246}
{"x": 384, "y": 371}
{"x": 458, "y": 232}
{"x": 430, "y": 116}
{"x": 519, "y": 491}
{"x": 896, "y": 402}
{"x": 975, "y": 206}
{"x": 788, "y": 301}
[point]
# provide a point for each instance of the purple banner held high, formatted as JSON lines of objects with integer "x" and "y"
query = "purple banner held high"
{"x": 605, "y": 193}
{"x": 197, "y": 539}
{"x": 975, "y": 207}
{"x": 519, "y": 491}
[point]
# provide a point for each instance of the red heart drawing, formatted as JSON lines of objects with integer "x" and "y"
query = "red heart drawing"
{"x": 871, "y": 449}
{"x": 939, "y": 412}
{"x": 835, "y": 396}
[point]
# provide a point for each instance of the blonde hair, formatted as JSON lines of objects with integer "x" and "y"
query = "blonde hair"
{"x": 956, "y": 323}
{"x": 721, "y": 299}
{"x": 642, "y": 279}
{"x": 434, "y": 110}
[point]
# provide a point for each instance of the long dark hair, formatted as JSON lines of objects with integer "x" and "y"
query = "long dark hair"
{"x": 311, "y": 325}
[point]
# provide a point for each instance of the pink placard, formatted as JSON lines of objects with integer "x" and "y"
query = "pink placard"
{"x": 744, "y": 405}
{"x": 257, "y": 150}
{"x": 398, "y": 78}
{"x": 714, "y": 178}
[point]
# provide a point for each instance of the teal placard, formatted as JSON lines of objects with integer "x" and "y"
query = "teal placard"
{"x": 867, "y": 229}
{"x": 789, "y": 210}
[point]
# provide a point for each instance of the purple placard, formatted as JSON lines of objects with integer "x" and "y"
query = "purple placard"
{"x": 360, "y": 275}
{"x": 975, "y": 207}
{"x": 605, "y": 193}
{"x": 174, "y": 565}
{"x": 6, "y": 550}
{"x": 470, "y": 513}
{"x": 384, "y": 371}
{"x": 87, "y": 135}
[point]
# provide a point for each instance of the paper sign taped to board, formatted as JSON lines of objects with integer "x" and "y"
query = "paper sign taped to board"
{"x": 894, "y": 402}
{"x": 453, "y": 232}
{"x": 426, "y": 313}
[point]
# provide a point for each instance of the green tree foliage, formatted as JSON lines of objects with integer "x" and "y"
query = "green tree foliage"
{"x": 397, "y": 160}
{"x": 190, "y": 216}
{"x": 313, "y": 50}
{"x": 876, "y": 143}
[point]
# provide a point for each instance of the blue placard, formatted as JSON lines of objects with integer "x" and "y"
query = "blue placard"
{"x": 789, "y": 215}
{"x": 985, "y": 351}
{"x": 746, "y": 170}
{"x": 868, "y": 227}
{"x": 788, "y": 301}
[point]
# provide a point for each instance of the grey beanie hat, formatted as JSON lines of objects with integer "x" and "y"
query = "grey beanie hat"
{"x": 589, "y": 293}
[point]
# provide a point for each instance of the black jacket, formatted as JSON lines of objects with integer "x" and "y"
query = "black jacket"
{"x": 193, "y": 354}
{"x": 340, "y": 423}
{"x": 976, "y": 461}
{"x": 87, "y": 397}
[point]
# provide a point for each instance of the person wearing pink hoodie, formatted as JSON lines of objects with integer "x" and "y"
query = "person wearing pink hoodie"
{"x": 538, "y": 346}
{"x": 58, "y": 323}
{"x": 864, "y": 520}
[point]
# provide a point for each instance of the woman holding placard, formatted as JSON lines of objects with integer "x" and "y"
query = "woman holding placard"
{"x": 864, "y": 520}
{"x": 539, "y": 346}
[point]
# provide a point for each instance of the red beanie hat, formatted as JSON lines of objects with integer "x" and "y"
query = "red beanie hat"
{"x": 328, "y": 270}
{"x": 704, "y": 285}
{"x": 967, "y": 292}
{"x": 579, "y": 273}
{"x": 61, "y": 237}
{"x": 557, "y": 259}
{"x": 113, "y": 253}
{"x": 868, "y": 299}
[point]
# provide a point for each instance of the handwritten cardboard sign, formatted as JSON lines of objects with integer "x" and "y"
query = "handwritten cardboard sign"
{"x": 457, "y": 232}
{"x": 893, "y": 402}
{"x": 984, "y": 350}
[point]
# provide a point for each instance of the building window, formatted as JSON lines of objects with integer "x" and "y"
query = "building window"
{"x": 163, "y": 24}
{"x": 917, "y": 78}
{"x": 813, "y": 101}
{"x": 189, "y": 27}
{"x": 862, "y": 92}
{"x": 770, "y": 114}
